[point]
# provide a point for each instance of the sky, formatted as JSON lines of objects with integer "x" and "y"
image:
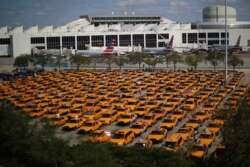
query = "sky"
{"x": 59, "y": 12}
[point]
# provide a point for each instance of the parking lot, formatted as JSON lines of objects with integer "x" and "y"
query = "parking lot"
{"x": 53, "y": 96}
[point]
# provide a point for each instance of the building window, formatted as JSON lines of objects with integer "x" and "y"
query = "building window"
{"x": 40, "y": 47}
{"x": 202, "y": 35}
{"x": 163, "y": 36}
{"x": 125, "y": 40}
{"x": 184, "y": 38}
{"x": 161, "y": 44}
{"x": 82, "y": 42}
{"x": 223, "y": 42}
{"x": 213, "y": 35}
{"x": 4, "y": 41}
{"x": 248, "y": 42}
{"x": 35, "y": 40}
{"x": 151, "y": 41}
{"x": 68, "y": 42}
{"x": 97, "y": 40}
{"x": 192, "y": 37}
{"x": 223, "y": 35}
{"x": 212, "y": 42}
{"x": 53, "y": 42}
{"x": 110, "y": 38}
{"x": 138, "y": 40}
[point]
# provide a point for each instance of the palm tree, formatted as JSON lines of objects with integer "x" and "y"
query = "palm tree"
{"x": 235, "y": 61}
{"x": 137, "y": 58}
{"x": 78, "y": 60}
{"x": 22, "y": 61}
{"x": 175, "y": 58}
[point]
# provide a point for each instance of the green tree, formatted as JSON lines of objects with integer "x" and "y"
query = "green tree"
{"x": 153, "y": 61}
{"x": 41, "y": 59}
{"x": 193, "y": 60}
{"x": 108, "y": 59}
{"x": 137, "y": 58}
{"x": 236, "y": 134}
{"x": 93, "y": 155}
{"x": 94, "y": 60}
{"x": 59, "y": 62}
{"x": 79, "y": 60}
{"x": 167, "y": 60}
{"x": 234, "y": 61}
{"x": 120, "y": 61}
{"x": 22, "y": 61}
{"x": 214, "y": 58}
{"x": 24, "y": 143}
{"x": 175, "y": 58}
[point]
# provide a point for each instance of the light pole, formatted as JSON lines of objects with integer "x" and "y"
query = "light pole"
{"x": 226, "y": 54}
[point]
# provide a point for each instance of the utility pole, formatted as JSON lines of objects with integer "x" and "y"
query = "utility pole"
{"x": 226, "y": 54}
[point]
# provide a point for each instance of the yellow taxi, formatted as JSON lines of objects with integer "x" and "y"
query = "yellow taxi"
{"x": 190, "y": 104}
{"x": 126, "y": 118}
{"x": 37, "y": 112}
{"x": 216, "y": 99}
{"x": 151, "y": 104}
{"x": 197, "y": 150}
{"x": 208, "y": 106}
{"x": 157, "y": 135}
{"x": 51, "y": 113}
{"x": 167, "y": 96}
{"x": 105, "y": 106}
{"x": 89, "y": 126}
{"x": 122, "y": 137}
{"x": 214, "y": 127}
{"x": 169, "y": 123}
{"x": 132, "y": 103}
{"x": 185, "y": 132}
{"x": 207, "y": 138}
{"x": 174, "y": 142}
{"x": 194, "y": 123}
{"x": 76, "y": 112}
{"x": 73, "y": 123}
{"x": 121, "y": 109}
{"x": 141, "y": 110}
{"x": 90, "y": 103}
{"x": 179, "y": 114}
{"x": 99, "y": 136}
{"x": 64, "y": 109}
{"x": 203, "y": 115}
{"x": 149, "y": 119}
{"x": 93, "y": 113}
{"x": 222, "y": 92}
{"x": 175, "y": 101}
{"x": 109, "y": 117}
{"x": 57, "y": 120}
{"x": 138, "y": 128}
{"x": 159, "y": 113}
{"x": 168, "y": 107}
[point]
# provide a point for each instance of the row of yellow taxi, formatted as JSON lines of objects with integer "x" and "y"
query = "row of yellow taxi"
{"x": 89, "y": 100}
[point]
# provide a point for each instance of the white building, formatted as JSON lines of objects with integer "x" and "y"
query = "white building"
{"x": 129, "y": 31}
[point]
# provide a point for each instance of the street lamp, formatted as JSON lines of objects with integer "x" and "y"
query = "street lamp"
{"x": 226, "y": 54}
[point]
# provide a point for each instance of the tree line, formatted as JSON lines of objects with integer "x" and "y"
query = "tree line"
{"x": 192, "y": 60}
